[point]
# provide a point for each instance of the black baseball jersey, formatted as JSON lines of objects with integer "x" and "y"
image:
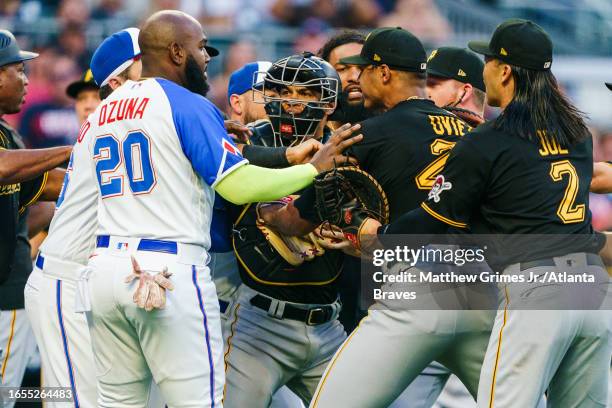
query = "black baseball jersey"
{"x": 516, "y": 186}
{"x": 15, "y": 261}
{"x": 263, "y": 269}
{"x": 405, "y": 148}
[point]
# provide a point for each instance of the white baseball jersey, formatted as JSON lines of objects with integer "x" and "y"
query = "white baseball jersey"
{"x": 158, "y": 151}
{"x": 71, "y": 233}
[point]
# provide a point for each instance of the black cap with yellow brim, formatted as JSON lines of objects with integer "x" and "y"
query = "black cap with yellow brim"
{"x": 455, "y": 63}
{"x": 518, "y": 42}
{"x": 392, "y": 46}
{"x": 86, "y": 82}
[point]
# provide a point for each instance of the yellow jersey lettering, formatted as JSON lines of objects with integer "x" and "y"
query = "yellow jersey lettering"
{"x": 548, "y": 145}
{"x": 435, "y": 124}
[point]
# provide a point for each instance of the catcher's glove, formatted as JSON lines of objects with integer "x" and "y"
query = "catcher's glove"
{"x": 346, "y": 197}
{"x": 293, "y": 249}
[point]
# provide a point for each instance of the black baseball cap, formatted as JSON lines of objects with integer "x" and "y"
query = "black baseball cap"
{"x": 393, "y": 46}
{"x": 518, "y": 42}
{"x": 9, "y": 50}
{"x": 609, "y": 85}
{"x": 460, "y": 64}
{"x": 86, "y": 82}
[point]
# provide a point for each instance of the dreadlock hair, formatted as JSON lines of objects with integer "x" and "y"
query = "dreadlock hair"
{"x": 343, "y": 37}
{"x": 539, "y": 105}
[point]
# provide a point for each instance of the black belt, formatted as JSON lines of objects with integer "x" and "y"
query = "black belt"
{"x": 591, "y": 259}
{"x": 312, "y": 317}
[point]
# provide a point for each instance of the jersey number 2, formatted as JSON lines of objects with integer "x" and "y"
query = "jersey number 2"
{"x": 427, "y": 177}
{"x": 135, "y": 153}
{"x": 568, "y": 211}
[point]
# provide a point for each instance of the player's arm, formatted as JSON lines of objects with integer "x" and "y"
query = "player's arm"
{"x": 39, "y": 217}
{"x": 297, "y": 218}
{"x": 602, "y": 178}
{"x": 280, "y": 157}
{"x": 43, "y": 188}
{"x": 21, "y": 165}
{"x": 249, "y": 183}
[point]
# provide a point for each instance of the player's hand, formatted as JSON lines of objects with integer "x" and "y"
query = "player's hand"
{"x": 238, "y": 131}
{"x": 330, "y": 154}
{"x": 303, "y": 152}
{"x": 151, "y": 291}
{"x": 331, "y": 237}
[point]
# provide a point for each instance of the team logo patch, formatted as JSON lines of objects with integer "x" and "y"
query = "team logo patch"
{"x": 439, "y": 186}
{"x": 432, "y": 55}
{"x": 286, "y": 128}
{"x": 229, "y": 147}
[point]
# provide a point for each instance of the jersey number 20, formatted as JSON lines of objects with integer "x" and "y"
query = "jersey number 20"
{"x": 568, "y": 211}
{"x": 135, "y": 153}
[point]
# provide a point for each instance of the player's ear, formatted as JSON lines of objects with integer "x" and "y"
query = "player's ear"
{"x": 177, "y": 53}
{"x": 385, "y": 73}
{"x": 506, "y": 73}
{"x": 466, "y": 90}
{"x": 115, "y": 82}
{"x": 235, "y": 104}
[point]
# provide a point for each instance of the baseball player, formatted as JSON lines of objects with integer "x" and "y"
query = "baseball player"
{"x": 52, "y": 291}
{"x": 393, "y": 80}
{"x": 160, "y": 151}
{"x": 350, "y": 101}
{"x": 454, "y": 82}
{"x": 25, "y": 177}
{"x": 86, "y": 95}
{"x": 283, "y": 328}
{"x": 538, "y": 168}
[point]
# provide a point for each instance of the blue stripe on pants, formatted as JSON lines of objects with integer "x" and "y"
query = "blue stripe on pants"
{"x": 65, "y": 342}
{"x": 205, "y": 321}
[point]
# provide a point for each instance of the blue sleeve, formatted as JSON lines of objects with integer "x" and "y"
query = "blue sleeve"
{"x": 202, "y": 134}
{"x": 220, "y": 227}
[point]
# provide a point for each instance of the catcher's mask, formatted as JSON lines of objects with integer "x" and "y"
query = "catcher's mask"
{"x": 295, "y": 116}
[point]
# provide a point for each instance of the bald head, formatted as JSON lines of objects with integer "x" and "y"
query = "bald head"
{"x": 173, "y": 46}
{"x": 166, "y": 27}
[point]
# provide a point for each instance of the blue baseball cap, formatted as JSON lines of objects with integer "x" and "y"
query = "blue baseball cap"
{"x": 244, "y": 79}
{"x": 115, "y": 55}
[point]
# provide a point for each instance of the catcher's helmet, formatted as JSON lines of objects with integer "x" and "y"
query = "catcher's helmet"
{"x": 305, "y": 70}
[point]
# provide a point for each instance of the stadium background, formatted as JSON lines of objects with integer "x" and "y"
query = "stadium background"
{"x": 65, "y": 32}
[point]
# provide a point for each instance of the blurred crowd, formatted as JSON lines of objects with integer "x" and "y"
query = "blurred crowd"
{"x": 419, "y": 16}
{"x": 48, "y": 117}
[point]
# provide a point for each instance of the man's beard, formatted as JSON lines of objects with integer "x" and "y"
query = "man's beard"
{"x": 196, "y": 80}
{"x": 349, "y": 112}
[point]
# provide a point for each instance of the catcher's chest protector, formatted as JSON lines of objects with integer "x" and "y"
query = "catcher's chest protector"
{"x": 258, "y": 260}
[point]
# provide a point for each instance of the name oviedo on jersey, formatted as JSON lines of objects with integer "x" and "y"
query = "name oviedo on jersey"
{"x": 122, "y": 109}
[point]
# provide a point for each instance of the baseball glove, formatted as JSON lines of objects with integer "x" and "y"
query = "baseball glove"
{"x": 294, "y": 250}
{"x": 346, "y": 196}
